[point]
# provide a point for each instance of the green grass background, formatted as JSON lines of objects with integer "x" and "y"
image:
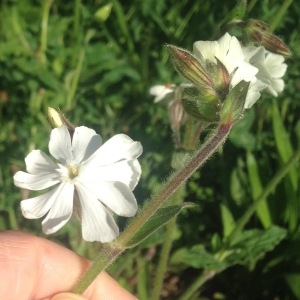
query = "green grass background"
{"x": 96, "y": 60}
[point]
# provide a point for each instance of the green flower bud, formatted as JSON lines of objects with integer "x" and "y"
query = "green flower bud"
{"x": 201, "y": 106}
{"x": 192, "y": 69}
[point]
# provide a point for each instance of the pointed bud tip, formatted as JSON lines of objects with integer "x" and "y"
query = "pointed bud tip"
{"x": 57, "y": 119}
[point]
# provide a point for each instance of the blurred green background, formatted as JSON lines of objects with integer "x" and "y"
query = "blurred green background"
{"x": 96, "y": 60}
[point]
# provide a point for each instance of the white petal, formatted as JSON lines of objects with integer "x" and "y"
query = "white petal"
{"x": 276, "y": 87}
{"x": 254, "y": 93}
{"x": 37, "y": 207}
{"x": 84, "y": 143}
{"x": 61, "y": 209}
{"x": 274, "y": 64}
{"x": 60, "y": 144}
{"x": 127, "y": 172}
{"x": 97, "y": 223}
{"x": 244, "y": 72}
{"x": 254, "y": 54}
{"x": 118, "y": 197}
{"x": 231, "y": 53}
{"x": 35, "y": 182}
{"x": 163, "y": 92}
{"x": 37, "y": 162}
{"x": 117, "y": 148}
{"x": 206, "y": 50}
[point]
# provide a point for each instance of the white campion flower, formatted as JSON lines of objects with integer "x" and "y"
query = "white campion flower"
{"x": 91, "y": 180}
{"x": 271, "y": 68}
{"x": 163, "y": 93}
{"x": 229, "y": 52}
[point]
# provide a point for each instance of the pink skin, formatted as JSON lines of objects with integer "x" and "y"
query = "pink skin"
{"x": 35, "y": 268}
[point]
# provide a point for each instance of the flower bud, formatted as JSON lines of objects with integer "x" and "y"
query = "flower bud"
{"x": 57, "y": 119}
{"x": 258, "y": 32}
{"x": 199, "y": 106}
{"x": 192, "y": 69}
{"x": 176, "y": 113}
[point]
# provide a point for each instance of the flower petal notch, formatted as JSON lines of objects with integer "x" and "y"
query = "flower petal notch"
{"x": 89, "y": 180}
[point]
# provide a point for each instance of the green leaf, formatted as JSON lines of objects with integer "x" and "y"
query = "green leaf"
{"x": 252, "y": 245}
{"x": 197, "y": 257}
{"x": 233, "y": 105}
{"x": 227, "y": 219}
{"x": 283, "y": 143}
{"x": 285, "y": 150}
{"x": 160, "y": 218}
{"x": 262, "y": 210}
{"x": 293, "y": 282}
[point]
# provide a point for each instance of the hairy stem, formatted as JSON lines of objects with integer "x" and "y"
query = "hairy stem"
{"x": 111, "y": 251}
{"x": 166, "y": 247}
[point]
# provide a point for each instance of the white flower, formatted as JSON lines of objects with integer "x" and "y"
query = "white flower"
{"x": 271, "y": 68}
{"x": 91, "y": 179}
{"x": 163, "y": 93}
{"x": 229, "y": 52}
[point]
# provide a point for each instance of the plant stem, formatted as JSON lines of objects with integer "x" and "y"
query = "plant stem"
{"x": 174, "y": 182}
{"x": 76, "y": 19}
{"x": 200, "y": 280}
{"x": 177, "y": 198}
{"x": 108, "y": 254}
{"x": 251, "y": 5}
{"x": 111, "y": 251}
{"x": 44, "y": 28}
{"x": 278, "y": 17}
{"x": 75, "y": 80}
{"x": 206, "y": 275}
{"x": 268, "y": 189}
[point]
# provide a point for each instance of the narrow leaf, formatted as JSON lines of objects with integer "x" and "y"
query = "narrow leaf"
{"x": 227, "y": 219}
{"x": 262, "y": 210}
{"x": 160, "y": 218}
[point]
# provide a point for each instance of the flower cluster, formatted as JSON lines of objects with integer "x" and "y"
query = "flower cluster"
{"x": 91, "y": 179}
{"x": 216, "y": 67}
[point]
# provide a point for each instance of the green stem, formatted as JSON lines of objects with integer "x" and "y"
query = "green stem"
{"x": 75, "y": 80}
{"x": 268, "y": 189}
{"x": 278, "y": 17}
{"x": 173, "y": 183}
{"x": 44, "y": 28}
{"x": 177, "y": 198}
{"x": 76, "y": 19}
{"x": 206, "y": 275}
{"x": 108, "y": 254}
{"x": 251, "y": 5}
{"x": 200, "y": 280}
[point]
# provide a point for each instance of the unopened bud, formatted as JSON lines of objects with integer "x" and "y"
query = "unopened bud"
{"x": 221, "y": 77}
{"x": 191, "y": 68}
{"x": 57, "y": 119}
{"x": 176, "y": 113}
{"x": 199, "y": 106}
{"x": 258, "y": 32}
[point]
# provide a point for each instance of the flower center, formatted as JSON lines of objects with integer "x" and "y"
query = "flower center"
{"x": 72, "y": 171}
{"x": 68, "y": 172}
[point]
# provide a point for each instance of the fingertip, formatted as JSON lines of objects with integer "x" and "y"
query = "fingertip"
{"x": 68, "y": 296}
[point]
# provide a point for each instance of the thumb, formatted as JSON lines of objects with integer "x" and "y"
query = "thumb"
{"x": 68, "y": 296}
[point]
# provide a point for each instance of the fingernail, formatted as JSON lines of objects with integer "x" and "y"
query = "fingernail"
{"x": 68, "y": 296}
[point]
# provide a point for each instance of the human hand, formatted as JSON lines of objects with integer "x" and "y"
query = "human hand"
{"x": 35, "y": 268}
